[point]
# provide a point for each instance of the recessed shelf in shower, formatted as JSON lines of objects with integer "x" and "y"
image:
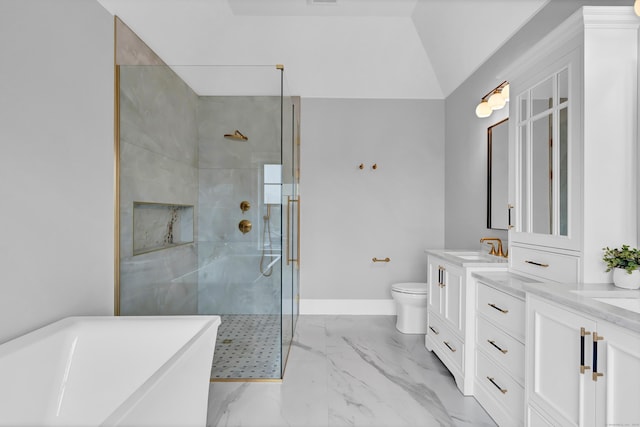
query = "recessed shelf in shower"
{"x": 159, "y": 226}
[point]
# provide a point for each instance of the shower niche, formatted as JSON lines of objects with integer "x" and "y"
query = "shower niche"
{"x": 159, "y": 226}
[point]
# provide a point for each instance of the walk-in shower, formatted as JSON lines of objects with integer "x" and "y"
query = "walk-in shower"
{"x": 209, "y": 207}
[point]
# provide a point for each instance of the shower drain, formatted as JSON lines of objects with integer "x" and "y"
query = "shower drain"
{"x": 227, "y": 341}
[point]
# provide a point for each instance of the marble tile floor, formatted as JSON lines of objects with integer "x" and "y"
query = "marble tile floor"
{"x": 349, "y": 371}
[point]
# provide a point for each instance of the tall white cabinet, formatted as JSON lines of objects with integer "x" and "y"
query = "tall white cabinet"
{"x": 573, "y": 130}
{"x": 573, "y": 157}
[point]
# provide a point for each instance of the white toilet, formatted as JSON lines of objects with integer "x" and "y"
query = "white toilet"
{"x": 411, "y": 307}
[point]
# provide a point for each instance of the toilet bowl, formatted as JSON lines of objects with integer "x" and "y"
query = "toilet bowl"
{"x": 411, "y": 307}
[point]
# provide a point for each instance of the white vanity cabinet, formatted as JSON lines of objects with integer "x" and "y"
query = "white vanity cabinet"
{"x": 451, "y": 311}
{"x": 499, "y": 375}
{"x": 581, "y": 370}
{"x": 446, "y": 292}
{"x": 446, "y": 316}
{"x": 569, "y": 142}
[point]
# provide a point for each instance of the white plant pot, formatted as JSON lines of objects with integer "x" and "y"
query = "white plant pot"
{"x": 622, "y": 279}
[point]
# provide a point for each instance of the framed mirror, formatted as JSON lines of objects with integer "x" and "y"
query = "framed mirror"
{"x": 497, "y": 175}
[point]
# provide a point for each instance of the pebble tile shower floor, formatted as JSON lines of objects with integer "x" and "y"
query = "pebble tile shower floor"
{"x": 248, "y": 347}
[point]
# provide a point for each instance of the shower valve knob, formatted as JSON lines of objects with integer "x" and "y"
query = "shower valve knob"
{"x": 245, "y": 226}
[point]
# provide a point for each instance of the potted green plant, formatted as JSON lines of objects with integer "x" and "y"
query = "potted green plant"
{"x": 624, "y": 262}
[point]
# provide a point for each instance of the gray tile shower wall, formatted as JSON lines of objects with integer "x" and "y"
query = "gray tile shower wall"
{"x": 158, "y": 163}
{"x": 173, "y": 151}
{"x": 230, "y": 171}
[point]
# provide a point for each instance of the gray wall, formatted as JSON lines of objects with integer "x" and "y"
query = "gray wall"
{"x": 159, "y": 155}
{"x": 56, "y": 162}
{"x": 466, "y": 135}
{"x": 350, "y": 215}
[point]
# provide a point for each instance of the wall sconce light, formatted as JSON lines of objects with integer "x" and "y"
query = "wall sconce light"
{"x": 636, "y": 7}
{"x": 495, "y": 99}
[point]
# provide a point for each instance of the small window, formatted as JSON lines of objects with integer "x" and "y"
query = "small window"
{"x": 272, "y": 184}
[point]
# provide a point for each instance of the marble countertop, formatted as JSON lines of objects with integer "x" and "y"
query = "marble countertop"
{"x": 510, "y": 283}
{"x": 582, "y": 297}
{"x": 473, "y": 258}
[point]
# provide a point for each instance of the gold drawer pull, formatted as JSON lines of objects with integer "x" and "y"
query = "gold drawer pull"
{"x": 502, "y": 390}
{"x": 501, "y": 310}
{"x": 493, "y": 343}
{"x": 434, "y": 331}
{"x": 537, "y": 263}
{"x": 453, "y": 350}
{"x": 387, "y": 259}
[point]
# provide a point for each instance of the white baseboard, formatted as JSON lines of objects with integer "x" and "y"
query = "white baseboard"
{"x": 385, "y": 307}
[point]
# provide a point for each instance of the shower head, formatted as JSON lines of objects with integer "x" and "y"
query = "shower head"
{"x": 236, "y": 135}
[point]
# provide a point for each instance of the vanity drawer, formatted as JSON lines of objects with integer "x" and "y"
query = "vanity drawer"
{"x": 502, "y": 348}
{"x": 450, "y": 345}
{"x": 546, "y": 265}
{"x": 503, "y": 309}
{"x": 504, "y": 389}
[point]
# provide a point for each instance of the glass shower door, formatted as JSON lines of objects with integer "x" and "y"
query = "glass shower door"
{"x": 291, "y": 203}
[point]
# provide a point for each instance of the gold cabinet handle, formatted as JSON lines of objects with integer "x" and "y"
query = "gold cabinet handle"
{"x": 493, "y": 343}
{"x": 502, "y": 390}
{"x": 387, "y": 259}
{"x": 453, "y": 349}
{"x": 583, "y": 333}
{"x": 441, "y": 271}
{"x": 501, "y": 310}
{"x": 434, "y": 331}
{"x": 509, "y": 207}
{"x": 539, "y": 264}
{"x": 595, "y": 374}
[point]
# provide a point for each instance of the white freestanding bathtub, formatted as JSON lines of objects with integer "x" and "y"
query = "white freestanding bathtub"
{"x": 109, "y": 371}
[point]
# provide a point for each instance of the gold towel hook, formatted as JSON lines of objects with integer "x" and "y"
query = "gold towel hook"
{"x": 236, "y": 135}
{"x": 361, "y": 166}
{"x": 375, "y": 166}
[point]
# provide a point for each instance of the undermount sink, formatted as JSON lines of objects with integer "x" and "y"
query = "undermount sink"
{"x": 468, "y": 255}
{"x": 471, "y": 255}
{"x": 627, "y": 299}
{"x": 463, "y": 253}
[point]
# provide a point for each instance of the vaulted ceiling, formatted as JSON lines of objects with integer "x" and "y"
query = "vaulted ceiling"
{"x": 411, "y": 49}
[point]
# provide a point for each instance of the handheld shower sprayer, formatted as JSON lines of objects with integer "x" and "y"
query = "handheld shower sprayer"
{"x": 266, "y": 237}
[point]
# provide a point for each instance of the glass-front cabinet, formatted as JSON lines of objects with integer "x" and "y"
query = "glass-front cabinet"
{"x": 573, "y": 147}
{"x": 543, "y": 140}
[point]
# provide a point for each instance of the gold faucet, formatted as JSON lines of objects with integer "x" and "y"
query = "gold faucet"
{"x": 493, "y": 251}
